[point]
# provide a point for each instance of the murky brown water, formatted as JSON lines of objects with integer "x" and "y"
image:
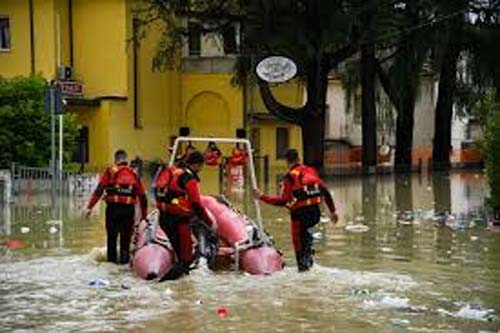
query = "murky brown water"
{"x": 393, "y": 264}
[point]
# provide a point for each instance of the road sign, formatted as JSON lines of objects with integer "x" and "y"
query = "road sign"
{"x": 71, "y": 88}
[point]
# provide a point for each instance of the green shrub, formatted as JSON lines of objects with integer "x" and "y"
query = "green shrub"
{"x": 25, "y": 129}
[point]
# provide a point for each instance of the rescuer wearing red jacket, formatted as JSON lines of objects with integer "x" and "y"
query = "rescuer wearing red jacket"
{"x": 122, "y": 188}
{"x": 179, "y": 201}
{"x": 303, "y": 191}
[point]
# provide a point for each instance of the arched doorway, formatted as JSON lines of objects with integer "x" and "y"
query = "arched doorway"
{"x": 207, "y": 114}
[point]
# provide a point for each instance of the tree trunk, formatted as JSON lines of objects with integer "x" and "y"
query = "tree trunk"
{"x": 313, "y": 120}
{"x": 404, "y": 134}
{"x": 313, "y": 129}
{"x": 369, "y": 112}
{"x": 444, "y": 110}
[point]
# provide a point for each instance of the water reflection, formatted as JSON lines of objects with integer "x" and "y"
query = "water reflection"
{"x": 409, "y": 267}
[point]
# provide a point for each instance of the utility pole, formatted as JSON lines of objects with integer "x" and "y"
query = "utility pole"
{"x": 58, "y": 44}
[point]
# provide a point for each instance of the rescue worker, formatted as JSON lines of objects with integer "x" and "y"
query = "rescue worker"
{"x": 303, "y": 191}
{"x": 178, "y": 200}
{"x": 121, "y": 188}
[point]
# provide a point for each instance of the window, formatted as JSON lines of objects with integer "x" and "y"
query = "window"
{"x": 229, "y": 39}
{"x": 81, "y": 151}
{"x": 194, "y": 38}
{"x": 4, "y": 33}
{"x": 281, "y": 142}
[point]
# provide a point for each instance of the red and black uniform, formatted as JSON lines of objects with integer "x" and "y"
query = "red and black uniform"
{"x": 122, "y": 188}
{"x": 178, "y": 199}
{"x": 238, "y": 157}
{"x": 303, "y": 191}
{"x": 212, "y": 155}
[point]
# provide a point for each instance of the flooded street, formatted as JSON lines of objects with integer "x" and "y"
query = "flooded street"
{"x": 411, "y": 253}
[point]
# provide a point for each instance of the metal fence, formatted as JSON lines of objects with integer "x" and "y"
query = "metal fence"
{"x": 37, "y": 180}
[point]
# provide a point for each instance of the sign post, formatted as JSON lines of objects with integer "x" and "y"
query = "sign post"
{"x": 53, "y": 106}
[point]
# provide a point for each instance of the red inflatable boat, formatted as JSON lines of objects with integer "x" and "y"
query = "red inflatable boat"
{"x": 242, "y": 244}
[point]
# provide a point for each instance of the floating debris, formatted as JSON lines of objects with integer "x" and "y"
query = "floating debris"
{"x": 125, "y": 286}
{"x": 357, "y": 228}
{"x": 387, "y": 302}
{"x": 222, "y": 312}
{"x": 99, "y": 283}
{"x": 52, "y": 230}
{"x": 400, "y": 322}
{"x": 277, "y": 303}
{"x": 360, "y": 292}
{"x": 317, "y": 236}
{"x": 475, "y": 312}
{"x": 324, "y": 219}
{"x": 25, "y": 230}
{"x": 168, "y": 292}
{"x": 386, "y": 250}
{"x": 404, "y": 222}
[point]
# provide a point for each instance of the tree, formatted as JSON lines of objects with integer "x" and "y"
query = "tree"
{"x": 400, "y": 76}
{"x": 25, "y": 130}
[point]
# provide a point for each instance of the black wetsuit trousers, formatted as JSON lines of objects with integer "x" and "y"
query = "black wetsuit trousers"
{"x": 119, "y": 222}
{"x": 302, "y": 220}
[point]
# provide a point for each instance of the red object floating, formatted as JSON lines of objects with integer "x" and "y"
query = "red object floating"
{"x": 222, "y": 312}
{"x": 14, "y": 244}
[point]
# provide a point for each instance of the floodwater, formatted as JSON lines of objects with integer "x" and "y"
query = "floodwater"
{"x": 411, "y": 253}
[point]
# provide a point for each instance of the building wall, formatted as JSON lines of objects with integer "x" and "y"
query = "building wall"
{"x": 291, "y": 94}
{"x": 99, "y": 38}
{"x": 17, "y": 60}
{"x": 345, "y": 124}
{"x": 45, "y": 38}
{"x": 97, "y": 119}
{"x": 211, "y": 106}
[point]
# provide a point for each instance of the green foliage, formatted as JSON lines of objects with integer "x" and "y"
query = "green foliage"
{"x": 490, "y": 111}
{"x": 25, "y": 129}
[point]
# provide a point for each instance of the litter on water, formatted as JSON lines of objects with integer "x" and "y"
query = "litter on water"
{"x": 25, "y": 230}
{"x": 317, "y": 235}
{"x": 400, "y": 322}
{"x": 475, "y": 312}
{"x": 99, "y": 283}
{"x": 168, "y": 292}
{"x": 222, "y": 312}
{"x": 52, "y": 230}
{"x": 357, "y": 228}
{"x": 324, "y": 219}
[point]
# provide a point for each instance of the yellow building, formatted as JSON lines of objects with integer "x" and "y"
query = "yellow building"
{"x": 125, "y": 104}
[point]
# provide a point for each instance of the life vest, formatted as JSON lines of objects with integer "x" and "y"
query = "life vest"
{"x": 123, "y": 184}
{"x": 173, "y": 198}
{"x": 212, "y": 156}
{"x": 305, "y": 187}
{"x": 238, "y": 157}
{"x": 162, "y": 181}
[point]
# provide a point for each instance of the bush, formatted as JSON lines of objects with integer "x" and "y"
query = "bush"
{"x": 492, "y": 155}
{"x": 25, "y": 129}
